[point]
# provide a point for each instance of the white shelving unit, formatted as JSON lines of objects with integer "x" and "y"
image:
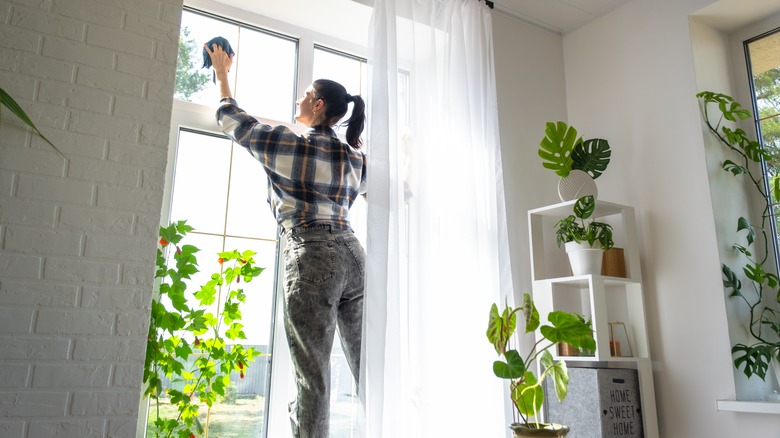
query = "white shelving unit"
{"x": 604, "y": 299}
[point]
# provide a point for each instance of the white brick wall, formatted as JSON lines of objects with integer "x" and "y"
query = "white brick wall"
{"x": 78, "y": 236}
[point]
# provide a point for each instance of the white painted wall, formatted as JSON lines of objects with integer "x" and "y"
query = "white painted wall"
{"x": 531, "y": 91}
{"x": 78, "y": 236}
{"x": 630, "y": 78}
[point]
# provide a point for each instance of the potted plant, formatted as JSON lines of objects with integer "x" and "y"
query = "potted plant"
{"x": 578, "y": 162}
{"x": 584, "y": 240}
{"x": 194, "y": 338}
{"x": 760, "y": 292}
{"x": 526, "y": 392}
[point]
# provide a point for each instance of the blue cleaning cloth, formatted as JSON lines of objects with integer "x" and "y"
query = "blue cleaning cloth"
{"x": 221, "y": 42}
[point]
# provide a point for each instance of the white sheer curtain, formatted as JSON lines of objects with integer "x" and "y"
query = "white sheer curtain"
{"x": 437, "y": 245}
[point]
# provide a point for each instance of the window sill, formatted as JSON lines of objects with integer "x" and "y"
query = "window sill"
{"x": 755, "y": 407}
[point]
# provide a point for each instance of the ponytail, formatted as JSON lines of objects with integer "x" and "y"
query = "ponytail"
{"x": 356, "y": 122}
{"x": 336, "y": 102}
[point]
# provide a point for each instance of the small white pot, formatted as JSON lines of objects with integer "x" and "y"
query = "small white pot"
{"x": 583, "y": 259}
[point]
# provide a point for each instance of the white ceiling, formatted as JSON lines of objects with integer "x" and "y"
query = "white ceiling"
{"x": 349, "y": 19}
{"x": 560, "y": 16}
{"x": 336, "y": 17}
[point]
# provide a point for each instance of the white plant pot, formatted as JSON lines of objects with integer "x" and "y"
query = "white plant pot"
{"x": 583, "y": 259}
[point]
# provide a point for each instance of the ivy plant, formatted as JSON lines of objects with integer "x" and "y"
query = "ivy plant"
{"x": 205, "y": 324}
{"x": 754, "y": 241}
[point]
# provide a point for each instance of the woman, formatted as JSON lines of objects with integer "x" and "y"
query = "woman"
{"x": 313, "y": 180}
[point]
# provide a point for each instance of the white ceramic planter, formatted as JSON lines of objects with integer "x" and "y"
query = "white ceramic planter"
{"x": 583, "y": 259}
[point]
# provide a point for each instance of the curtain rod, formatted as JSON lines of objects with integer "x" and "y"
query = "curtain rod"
{"x": 489, "y": 4}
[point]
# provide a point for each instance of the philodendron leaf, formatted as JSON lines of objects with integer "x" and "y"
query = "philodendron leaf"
{"x": 513, "y": 368}
{"x": 500, "y": 328}
{"x": 528, "y": 395}
{"x": 591, "y": 156}
{"x": 531, "y": 314}
{"x": 559, "y": 374}
{"x": 9, "y": 102}
{"x": 556, "y": 147}
{"x": 566, "y": 327}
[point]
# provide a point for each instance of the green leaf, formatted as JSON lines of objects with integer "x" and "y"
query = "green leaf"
{"x": 557, "y": 146}
{"x": 17, "y": 110}
{"x": 559, "y": 374}
{"x": 743, "y": 224}
{"x": 591, "y": 156}
{"x": 513, "y": 368}
{"x": 183, "y": 351}
{"x": 734, "y": 168}
{"x": 566, "y": 327}
{"x": 730, "y": 281}
{"x": 500, "y": 328}
{"x": 528, "y": 395}
{"x": 235, "y": 332}
{"x": 752, "y": 359}
{"x": 585, "y": 206}
{"x": 530, "y": 313}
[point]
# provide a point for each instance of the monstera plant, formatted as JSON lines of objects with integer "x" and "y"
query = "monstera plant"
{"x": 562, "y": 151}
{"x": 760, "y": 292}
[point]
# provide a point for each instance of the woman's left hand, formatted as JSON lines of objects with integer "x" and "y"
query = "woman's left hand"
{"x": 220, "y": 59}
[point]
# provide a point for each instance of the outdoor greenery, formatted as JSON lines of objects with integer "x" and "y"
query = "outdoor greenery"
{"x": 767, "y": 89}
{"x": 525, "y": 388}
{"x": 200, "y": 324}
{"x": 761, "y": 293}
{"x": 188, "y": 79}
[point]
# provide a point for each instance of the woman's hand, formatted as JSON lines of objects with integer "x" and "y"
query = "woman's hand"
{"x": 221, "y": 62}
{"x": 220, "y": 59}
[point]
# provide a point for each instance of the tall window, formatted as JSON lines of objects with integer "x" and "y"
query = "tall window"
{"x": 763, "y": 54}
{"x": 222, "y": 192}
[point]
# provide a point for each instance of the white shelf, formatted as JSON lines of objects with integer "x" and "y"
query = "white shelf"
{"x": 604, "y": 298}
{"x": 754, "y": 407}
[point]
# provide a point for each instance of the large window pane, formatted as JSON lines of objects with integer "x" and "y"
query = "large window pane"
{"x": 222, "y": 192}
{"x": 249, "y": 214}
{"x": 764, "y": 55}
{"x": 194, "y": 83}
{"x": 200, "y": 181}
{"x": 266, "y": 79}
{"x": 344, "y": 69}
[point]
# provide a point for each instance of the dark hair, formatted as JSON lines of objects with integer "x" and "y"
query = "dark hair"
{"x": 336, "y": 101}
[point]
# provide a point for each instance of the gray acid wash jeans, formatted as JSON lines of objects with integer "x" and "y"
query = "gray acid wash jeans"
{"x": 323, "y": 290}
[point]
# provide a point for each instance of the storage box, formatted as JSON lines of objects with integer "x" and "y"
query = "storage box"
{"x": 602, "y": 402}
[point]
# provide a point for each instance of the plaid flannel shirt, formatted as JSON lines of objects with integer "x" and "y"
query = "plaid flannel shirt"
{"x": 313, "y": 178}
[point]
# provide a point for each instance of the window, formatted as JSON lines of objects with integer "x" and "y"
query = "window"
{"x": 222, "y": 192}
{"x": 763, "y": 55}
